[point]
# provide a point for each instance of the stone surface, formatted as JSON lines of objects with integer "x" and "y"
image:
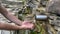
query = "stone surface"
{"x": 54, "y": 7}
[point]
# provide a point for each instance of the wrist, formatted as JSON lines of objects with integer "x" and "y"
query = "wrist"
{"x": 20, "y": 28}
{"x": 18, "y": 22}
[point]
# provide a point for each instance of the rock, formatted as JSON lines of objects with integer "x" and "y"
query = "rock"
{"x": 54, "y": 7}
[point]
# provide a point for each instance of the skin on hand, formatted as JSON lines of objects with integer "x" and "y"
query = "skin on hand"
{"x": 27, "y": 25}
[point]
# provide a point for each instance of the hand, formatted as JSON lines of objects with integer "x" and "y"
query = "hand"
{"x": 27, "y": 25}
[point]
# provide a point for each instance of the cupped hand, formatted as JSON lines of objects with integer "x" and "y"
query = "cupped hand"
{"x": 27, "y": 25}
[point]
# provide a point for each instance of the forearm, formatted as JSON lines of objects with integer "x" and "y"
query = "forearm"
{"x": 9, "y": 16}
{"x": 13, "y": 19}
{"x": 7, "y": 26}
